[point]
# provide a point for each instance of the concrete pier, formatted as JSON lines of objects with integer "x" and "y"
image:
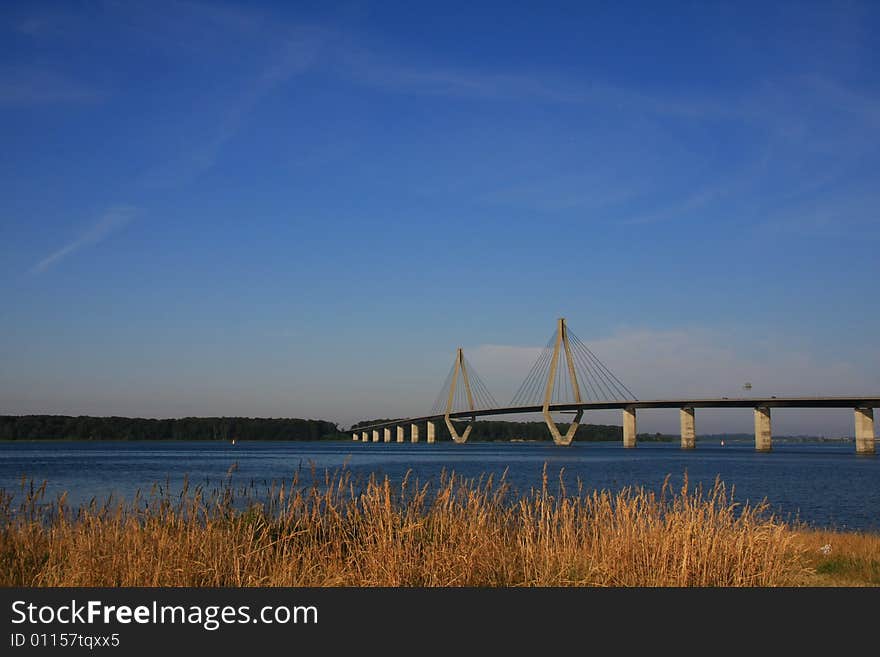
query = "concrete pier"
{"x": 865, "y": 431}
{"x": 688, "y": 433}
{"x": 387, "y": 434}
{"x": 763, "y": 437}
{"x": 432, "y": 431}
{"x": 629, "y": 427}
{"x": 365, "y": 437}
{"x": 414, "y": 433}
{"x": 375, "y": 435}
{"x": 354, "y": 436}
{"x": 400, "y": 432}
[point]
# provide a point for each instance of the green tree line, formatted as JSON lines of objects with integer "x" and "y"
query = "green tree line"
{"x": 84, "y": 427}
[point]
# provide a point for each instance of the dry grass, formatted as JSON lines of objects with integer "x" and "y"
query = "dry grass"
{"x": 840, "y": 558}
{"x": 456, "y": 533}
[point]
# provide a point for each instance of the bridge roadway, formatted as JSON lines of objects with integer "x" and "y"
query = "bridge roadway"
{"x": 863, "y": 408}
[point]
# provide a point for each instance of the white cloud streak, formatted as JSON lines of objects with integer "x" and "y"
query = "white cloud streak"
{"x": 25, "y": 87}
{"x": 294, "y": 57}
{"x": 112, "y": 220}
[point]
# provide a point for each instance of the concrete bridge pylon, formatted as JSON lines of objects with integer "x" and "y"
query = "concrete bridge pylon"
{"x": 562, "y": 345}
{"x": 460, "y": 371}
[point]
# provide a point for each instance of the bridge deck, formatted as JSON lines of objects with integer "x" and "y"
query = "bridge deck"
{"x": 723, "y": 402}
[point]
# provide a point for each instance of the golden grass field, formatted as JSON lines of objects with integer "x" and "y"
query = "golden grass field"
{"x": 341, "y": 532}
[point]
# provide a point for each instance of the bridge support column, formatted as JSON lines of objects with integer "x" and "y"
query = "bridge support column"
{"x": 432, "y": 431}
{"x": 414, "y": 433}
{"x": 460, "y": 369}
{"x": 688, "y": 434}
{"x": 763, "y": 437}
{"x": 365, "y": 437}
{"x": 354, "y": 436}
{"x": 400, "y": 432}
{"x": 865, "y": 431}
{"x": 375, "y": 435}
{"x": 386, "y": 434}
{"x": 629, "y": 427}
{"x": 562, "y": 350}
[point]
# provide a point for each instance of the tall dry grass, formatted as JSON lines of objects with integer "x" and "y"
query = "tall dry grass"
{"x": 457, "y": 532}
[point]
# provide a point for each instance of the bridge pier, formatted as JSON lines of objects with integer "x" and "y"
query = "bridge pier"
{"x": 375, "y": 435}
{"x": 688, "y": 433}
{"x": 400, "y": 433}
{"x": 865, "y": 431}
{"x": 365, "y": 437}
{"x": 386, "y": 434}
{"x": 763, "y": 437}
{"x": 629, "y": 427}
{"x": 354, "y": 436}
{"x": 454, "y": 433}
{"x": 414, "y": 433}
{"x": 432, "y": 431}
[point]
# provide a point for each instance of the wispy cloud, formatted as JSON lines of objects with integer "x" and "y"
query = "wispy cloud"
{"x": 295, "y": 56}
{"x": 586, "y": 191}
{"x": 707, "y": 197}
{"x": 28, "y": 86}
{"x": 377, "y": 68}
{"x": 370, "y": 68}
{"x": 112, "y": 220}
{"x": 851, "y": 207}
{"x": 34, "y": 26}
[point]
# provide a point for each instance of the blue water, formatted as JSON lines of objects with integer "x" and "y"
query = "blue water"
{"x": 821, "y": 484}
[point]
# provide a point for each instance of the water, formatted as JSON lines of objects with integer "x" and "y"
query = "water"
{"x": 825, "y": 485}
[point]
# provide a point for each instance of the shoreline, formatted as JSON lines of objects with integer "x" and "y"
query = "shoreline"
{"x": 706, "y": 441}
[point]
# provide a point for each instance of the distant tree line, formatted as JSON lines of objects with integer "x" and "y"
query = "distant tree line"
{"x": 84, "y": 427}
{"x": 491, "y": 430}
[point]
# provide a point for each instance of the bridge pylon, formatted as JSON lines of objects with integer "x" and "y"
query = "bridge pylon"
{"x": 463, "y": 393}
{"x": 562, "y": 345}
{"x": 460, "y": 371}
{"x": 566, "y": 377}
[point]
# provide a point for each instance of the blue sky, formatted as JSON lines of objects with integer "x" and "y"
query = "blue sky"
{"x": 302, "y": 209}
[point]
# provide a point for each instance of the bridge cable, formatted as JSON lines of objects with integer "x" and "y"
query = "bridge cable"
{"x": 482, "y": 398}
{"x": 594, "y": 379}
{"x": 525, "y": 385}
{"x": 539, "y": 380}
{"x": 604, "y": 392}
{"x": 533, "y": 392}
{"x": 486, "y": 399}
{"x": 526, "y": 391}
{"x": 591, "y": 386}
{"x": 606, "y": 389}
{"x": 621, "y": 388}
{"x": 440, "y": 402}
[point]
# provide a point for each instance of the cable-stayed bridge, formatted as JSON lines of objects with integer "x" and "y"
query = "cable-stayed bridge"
{"x": 568, "y": 378}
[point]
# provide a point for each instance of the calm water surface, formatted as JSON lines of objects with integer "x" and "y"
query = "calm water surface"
{"x": 820, "y": 484}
